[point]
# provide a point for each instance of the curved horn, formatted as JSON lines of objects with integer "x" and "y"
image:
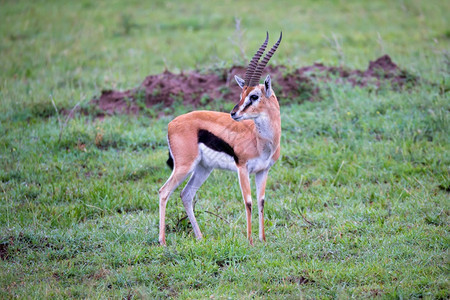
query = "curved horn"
{"x": 254, "y": 80}
{"x": 254, "y": 62}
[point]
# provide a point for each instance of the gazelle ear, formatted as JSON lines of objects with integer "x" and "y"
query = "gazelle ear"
{"x": 240, "y": 81}
{"x": 268, "y": 86}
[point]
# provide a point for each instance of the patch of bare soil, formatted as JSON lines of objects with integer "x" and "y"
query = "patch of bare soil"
{"x": 4, "y": 250}
{"x": 198, "y": 89}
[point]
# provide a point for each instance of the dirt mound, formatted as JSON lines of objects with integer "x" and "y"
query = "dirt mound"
{"x": 198, "y": 89}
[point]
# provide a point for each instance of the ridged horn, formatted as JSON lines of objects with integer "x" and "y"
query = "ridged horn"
{"x": 254, "y": 62}
{"x": 254, "y": 80}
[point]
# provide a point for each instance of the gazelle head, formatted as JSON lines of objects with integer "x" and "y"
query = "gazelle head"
{"x": 254, "y": 96}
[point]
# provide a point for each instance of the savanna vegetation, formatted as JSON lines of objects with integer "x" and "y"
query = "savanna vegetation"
{"x": 357, "y": 206}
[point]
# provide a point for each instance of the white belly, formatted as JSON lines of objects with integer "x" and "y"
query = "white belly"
{"x": 215, "y": 159}
{"x": 220, "y": 160}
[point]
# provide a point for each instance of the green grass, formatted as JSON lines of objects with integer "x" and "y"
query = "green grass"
{"x": 356, "y": 207}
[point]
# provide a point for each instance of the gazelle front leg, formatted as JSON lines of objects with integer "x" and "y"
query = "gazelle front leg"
{"x": 244, "y": 182}
{"x": 260, "y": 180}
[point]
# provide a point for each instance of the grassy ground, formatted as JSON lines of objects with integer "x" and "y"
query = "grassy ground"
{"x": 356, "y": 207}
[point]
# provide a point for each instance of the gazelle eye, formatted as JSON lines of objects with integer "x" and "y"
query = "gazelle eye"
{"x": 253, "y": 97}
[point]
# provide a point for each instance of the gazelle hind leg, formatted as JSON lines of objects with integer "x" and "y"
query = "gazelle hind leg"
{"x": 198, "y": 177}
{"x": 178, "y": 175}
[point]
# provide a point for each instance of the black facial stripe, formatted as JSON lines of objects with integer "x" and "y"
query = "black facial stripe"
{"x": 216, "y": 143}
{"x": 247, "y": 106}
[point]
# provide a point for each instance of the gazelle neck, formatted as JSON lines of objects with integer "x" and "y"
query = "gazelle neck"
{"x": 268, "y": 127}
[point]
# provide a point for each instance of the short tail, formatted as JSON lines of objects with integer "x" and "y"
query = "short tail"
{"x": 170, "y": 161}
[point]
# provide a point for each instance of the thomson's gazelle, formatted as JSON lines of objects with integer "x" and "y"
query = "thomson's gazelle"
{"x": 246, "y": 141}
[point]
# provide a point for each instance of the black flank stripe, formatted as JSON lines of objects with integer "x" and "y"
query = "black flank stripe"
{"x": 216, "y": 143}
